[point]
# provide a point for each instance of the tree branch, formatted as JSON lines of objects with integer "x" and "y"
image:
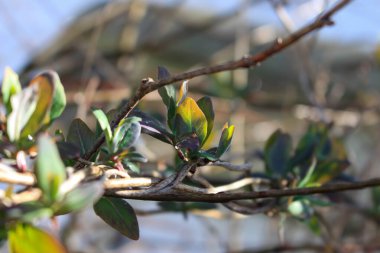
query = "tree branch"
{"x": 149, "y": 85}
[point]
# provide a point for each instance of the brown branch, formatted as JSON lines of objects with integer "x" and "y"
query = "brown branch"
{"x": 149, "y": 85}
{"x": 199, "y": 196}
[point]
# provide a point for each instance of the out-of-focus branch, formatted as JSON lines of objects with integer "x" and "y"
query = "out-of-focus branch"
{"x": 149, "y": 85}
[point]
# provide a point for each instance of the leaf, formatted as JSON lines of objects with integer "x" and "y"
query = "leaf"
{"x": 163, "y": 73}
{"x": 50, "y": 170}
{"x": 23, "y": 106}
{"x": 136, "y": 157}
{"x": 25, "y": 238}
{"x": 118, "y": 214}
{"x": 132, "y": 166}
{"x": 104, "y": 124}
{"x": 59, "y": 98}
{"x": 81, "y": 135}
{"x": 10, "y": 86}
{"x": 189, "y": 142}
{"x": 126, "y": 134}
{"x": 79, "y": 198}
{"x": 29, "y": 211}
{"x": 190, "y": 119}
{"x": 167, "y": 94}
{"x": 205, "y": 105}
{"x": 153, "y": 127}
{"x": 182, "y": 92}
{"x": 225, "y": 139}
{"x": 277, "y": 153}
{"x": 41, "y": 115}
{"x": 325, "y": 171}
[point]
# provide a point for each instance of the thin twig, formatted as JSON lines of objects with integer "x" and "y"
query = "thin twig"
{"x": 149, "y": 85}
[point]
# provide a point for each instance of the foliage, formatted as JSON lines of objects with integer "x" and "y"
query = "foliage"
{"x": 318, "y": 158}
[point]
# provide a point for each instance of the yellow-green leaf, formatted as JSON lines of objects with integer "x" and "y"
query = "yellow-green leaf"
{"x": 182, "y": 92}
{"x": 205, "y": 105}
{"x": 10, "y": 86}
{"x": 25, "y": 238}
{"x": 225, "y": 139}
{"x": 190, "y": 119}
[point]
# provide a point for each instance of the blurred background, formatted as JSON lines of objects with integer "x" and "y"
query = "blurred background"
{"x": 102, "y": 49}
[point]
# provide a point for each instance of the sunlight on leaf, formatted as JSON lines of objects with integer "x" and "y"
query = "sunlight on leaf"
{"x": 182, "y": 93}
{"x": 25, "y": 238}
{"x": 205, "y": 105}
{"x": 104, "y": 124}
{"x": 225, "y": 139}
{"x": 10, "y": 86}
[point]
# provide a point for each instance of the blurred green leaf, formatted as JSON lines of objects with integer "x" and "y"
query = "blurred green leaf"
{"x": 205, "y": 105}
{"x": 136, "y": 157}
{"x": 59, "y": 99}
{"x": 325, "y": 171}
{"x": 277, "y": 153}
{"x": 25, "y": 238}
{"x": 29, "y": 211}
{"x": 104, "y": 125}
{"x": 81, "y": 135}
{"x": 40, "y": 117}
{"x": 190, "y": 119}
{"x": 132, "y": 166}
{"x": 10, "y": 86}
{"x": 118, "y": 214}
{"x": 225, "y": 139}
{"x": 79, "y": 198}
{"x": 209, "y": 154}
{"x": 23, "y": 106}
{"x": 50, "y": 170}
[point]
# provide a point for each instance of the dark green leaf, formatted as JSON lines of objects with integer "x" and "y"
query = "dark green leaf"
{"x": 81, "y": 135}
{"x": 153, "y": 127}
{"x": 136, "y": 157}
{"x": 127, "y": 133}
{"x": 325, "y": 171}
{"x": 277, "y": 153}
{"x": 132, "y": 166}
{"x": 10, "y": 86}
{"x": 118, "y": 214}
{"x": 50, "y": 170}
{"x": 163, "y": 73}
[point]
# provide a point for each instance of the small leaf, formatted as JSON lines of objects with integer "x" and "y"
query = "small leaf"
{"x": 10, "y": 86}
{"x": 81, "y": 135}
{"x": 136, "y": 157}
{"x": 153, "y": 127}
{"x": 23, "y": 106}
{"x": 190, "y": 119}
{"x": 29, "y": 211}
{"x": 132, "y": 166}
{"x": 277, "y": 153}
{"x": 188, "y": 142}
{"x": 50, "y": 169}
{"x": 25, "y": 238}
{"x": 41, "y": 115}
{"x": 104, "y": 124}
{"x": 79, "y": 198}
{"x": 225, "y": 139}
{"x": 205, "y": 105}
{"x": 127, "y": 133}
{"x": 163, "y": 73}
{"x": 182, "y": 92}
{"x": 325, "y": 171}
{"x": 59, "y": 99}
{"x": 118, "y": 214}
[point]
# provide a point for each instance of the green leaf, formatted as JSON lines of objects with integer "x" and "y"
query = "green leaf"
{"x": 25, "y": 238}
{"x": 104, "y": 124}
{"x": 23, "y": 106}
{"x": 136, "y": 157}
{"x": 132, "y": 166}
{"x": 50, "y": 170}
{"x": 126, "y": 134}
{"x": 225, "y": 139}
{"x": 10, "y": 86}
{"x": 29, "y": 211}
{"x": 190, "y": 119}
{"x": 79, "y": 198}
{"x": 118, "y": 214}
{"x": 41, "y": 115}
{"x": 81, "y": 135}
{"x": 59, "y": 98}
{"x": 277, "y": 153}
{"x": 306, "y": 180}
{"x": 167, "y": 94}
{"x": 205, "y": 105}
{"x": 325, "y": 171}
{"x": 153, "y": 127}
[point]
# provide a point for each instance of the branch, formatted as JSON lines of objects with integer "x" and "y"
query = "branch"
{"x": 149, "y": 85}
{"x": 200, "y": 196}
